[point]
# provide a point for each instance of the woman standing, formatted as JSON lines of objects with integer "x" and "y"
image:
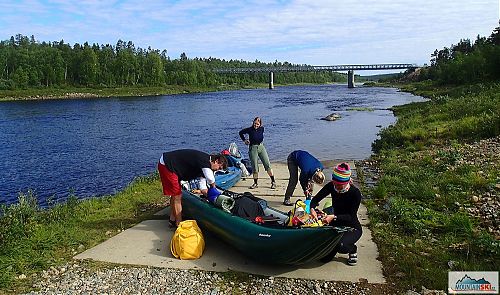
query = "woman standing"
{"x": 257, "y": 150}
{"x": 346, "y": 199}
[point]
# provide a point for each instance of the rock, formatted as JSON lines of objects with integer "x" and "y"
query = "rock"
{"x": 426, "y": 291}
{"x": 475, "y": 199}
{"x": 331, "y": 117}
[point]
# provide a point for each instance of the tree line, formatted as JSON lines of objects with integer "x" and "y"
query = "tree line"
{"x": 466, "y": 62}
{"x": 28, "y": 63}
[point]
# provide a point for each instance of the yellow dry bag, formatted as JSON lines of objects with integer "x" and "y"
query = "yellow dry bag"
{"x": 187, "y": 242}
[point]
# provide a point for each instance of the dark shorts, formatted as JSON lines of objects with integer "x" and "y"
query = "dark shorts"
{"x": 169, "y": 181}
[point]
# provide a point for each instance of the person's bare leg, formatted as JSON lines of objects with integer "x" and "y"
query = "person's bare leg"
{"x": 172, "y": 209}
{"x": 177, "y": 209}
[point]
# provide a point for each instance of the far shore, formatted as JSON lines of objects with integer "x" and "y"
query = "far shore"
{"x": 85, "y": 93}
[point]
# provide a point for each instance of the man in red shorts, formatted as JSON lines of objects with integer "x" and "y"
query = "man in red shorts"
{"x": 186, "y": 164}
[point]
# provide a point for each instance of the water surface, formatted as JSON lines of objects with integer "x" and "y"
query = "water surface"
{"x": 93, "y": 147}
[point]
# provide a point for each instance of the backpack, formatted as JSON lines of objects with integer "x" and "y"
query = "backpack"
{"x": 246, "y": 207}
{"x": 187, "y": 242}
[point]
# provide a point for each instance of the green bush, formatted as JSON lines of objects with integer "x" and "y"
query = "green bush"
{"x": 17, "y": 220}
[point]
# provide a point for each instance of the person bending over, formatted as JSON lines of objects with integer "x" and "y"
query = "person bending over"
{"x": 311, "y": 170}
{"x": 186, "y": 164}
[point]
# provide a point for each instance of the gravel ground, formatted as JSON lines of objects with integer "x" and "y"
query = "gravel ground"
{"x": 486, "y": 204}
{"x": 83, "y": 278}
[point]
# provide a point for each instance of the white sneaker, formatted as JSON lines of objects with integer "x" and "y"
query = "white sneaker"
{"x": 353, "y": 259}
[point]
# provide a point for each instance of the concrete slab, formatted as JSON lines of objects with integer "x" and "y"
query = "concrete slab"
{"x": 148, "y": 243}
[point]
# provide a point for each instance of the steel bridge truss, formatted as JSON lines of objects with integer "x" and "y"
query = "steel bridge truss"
{"x": 314, "y": 68}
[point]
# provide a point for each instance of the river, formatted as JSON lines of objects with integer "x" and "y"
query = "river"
{"x": 93, "y": 147}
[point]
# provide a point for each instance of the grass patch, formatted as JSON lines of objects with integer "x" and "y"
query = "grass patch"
{"x": 33, "y": 239}
{"x": 361, "y": 109}
{"x": 418, "y": 209}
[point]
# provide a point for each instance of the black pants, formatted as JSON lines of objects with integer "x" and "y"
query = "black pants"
{"x": 347, "y": 244}
{"x": 293, "y": 170}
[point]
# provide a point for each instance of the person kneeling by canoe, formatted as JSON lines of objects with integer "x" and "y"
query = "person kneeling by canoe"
{"x": 346, "y": 199}
{"x": 186, "y": 164}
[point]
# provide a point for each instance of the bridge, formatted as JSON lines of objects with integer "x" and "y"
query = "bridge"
{"x": 349, "y": 68}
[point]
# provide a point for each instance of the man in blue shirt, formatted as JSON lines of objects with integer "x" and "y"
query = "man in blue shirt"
{"x": 311, "y": 170}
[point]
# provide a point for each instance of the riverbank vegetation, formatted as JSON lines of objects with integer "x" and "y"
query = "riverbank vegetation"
{"x": 33, "y": 240}
{"x": 49, "y": 69}
{"x": 435, "y": 207}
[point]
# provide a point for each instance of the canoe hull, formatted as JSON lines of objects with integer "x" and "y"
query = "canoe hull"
{"x": 272, "y": 245}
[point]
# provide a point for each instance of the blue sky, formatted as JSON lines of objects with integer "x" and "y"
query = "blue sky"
{"x": 315, "y": 32}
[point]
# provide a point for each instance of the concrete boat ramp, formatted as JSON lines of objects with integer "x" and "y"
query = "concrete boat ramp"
{"x": 148, "y": 243}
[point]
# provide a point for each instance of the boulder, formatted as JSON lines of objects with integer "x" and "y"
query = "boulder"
{"x": 331, "y": 117}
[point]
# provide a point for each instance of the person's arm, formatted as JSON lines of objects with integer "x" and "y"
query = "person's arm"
{"x": 323, "y": 192}
{"x": 209, "y": 176}
{"x": 353, "y": 210}
{"x": 242, "y": 133}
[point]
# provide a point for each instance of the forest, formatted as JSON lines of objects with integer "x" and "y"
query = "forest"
{"x": 466, "y": 62}
{"x": 27, "y": 63}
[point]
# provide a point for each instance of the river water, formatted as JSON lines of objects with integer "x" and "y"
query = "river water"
{"x": 94, "y": 147}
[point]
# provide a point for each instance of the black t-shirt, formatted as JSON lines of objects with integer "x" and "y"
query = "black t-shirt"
{"x": 187, "y": 164}
{"x": 345, "y": 205}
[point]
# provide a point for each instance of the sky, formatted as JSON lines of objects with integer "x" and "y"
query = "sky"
{"x": 313, "y": 32}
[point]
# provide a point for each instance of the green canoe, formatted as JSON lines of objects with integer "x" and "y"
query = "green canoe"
{"x": 272, "y": 245}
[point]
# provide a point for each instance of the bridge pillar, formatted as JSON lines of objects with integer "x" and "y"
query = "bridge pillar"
{"x": 350, "y": 79}
{"x": 271, "y": 80}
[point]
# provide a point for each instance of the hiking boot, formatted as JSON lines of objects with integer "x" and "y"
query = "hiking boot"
{"x": 287, "y": 202}
{"x": 255, "y": 185}
{"x": 353, "y": 259}
{"x": 273, "y": 185}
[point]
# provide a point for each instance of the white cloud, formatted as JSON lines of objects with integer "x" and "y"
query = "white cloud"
{"x": 318, "y": 32}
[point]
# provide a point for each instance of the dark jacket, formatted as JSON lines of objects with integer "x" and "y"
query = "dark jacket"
{"x": 345, "y": 205}
{"x": 308, "y": 165}
{"x": 255, "y": 136}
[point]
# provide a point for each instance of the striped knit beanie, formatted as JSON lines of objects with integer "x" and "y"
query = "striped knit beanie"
{"x": 342, "y": 173}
